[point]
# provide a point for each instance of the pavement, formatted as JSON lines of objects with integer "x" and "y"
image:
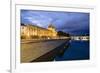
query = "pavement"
{"x": 34, "y": 49}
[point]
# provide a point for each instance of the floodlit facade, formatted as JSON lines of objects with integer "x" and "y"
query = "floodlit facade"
{"x": 29, "y": 31}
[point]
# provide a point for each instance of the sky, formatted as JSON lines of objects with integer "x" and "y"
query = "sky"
{"x": 74, "y": 23}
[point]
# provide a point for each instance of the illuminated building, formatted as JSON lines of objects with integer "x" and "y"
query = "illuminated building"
{"x": 29, "y": 31}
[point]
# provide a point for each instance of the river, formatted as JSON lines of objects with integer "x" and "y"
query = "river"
{"x": 77, "y": 50}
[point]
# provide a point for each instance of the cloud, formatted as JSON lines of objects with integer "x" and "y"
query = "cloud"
{"x": 67, "y": 21}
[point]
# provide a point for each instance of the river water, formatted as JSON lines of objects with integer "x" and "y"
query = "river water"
{"x": 77, "y": 50}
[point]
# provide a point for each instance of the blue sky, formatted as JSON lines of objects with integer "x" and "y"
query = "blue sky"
{"x": 74, "y": 23}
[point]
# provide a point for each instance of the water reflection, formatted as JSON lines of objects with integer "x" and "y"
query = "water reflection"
{"x": 75, "y": 50}
{"x": 63, "y": 49}
{"x": 71, "y": 50}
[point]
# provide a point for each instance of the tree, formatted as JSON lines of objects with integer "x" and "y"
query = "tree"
{"x": 61, "y": 33}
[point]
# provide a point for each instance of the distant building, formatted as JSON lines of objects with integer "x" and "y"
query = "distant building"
{"x": 84, "y": 38}
{"x": 31, "y": 31}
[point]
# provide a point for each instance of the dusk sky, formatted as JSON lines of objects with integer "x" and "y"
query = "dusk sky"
{"x": 74, "y": 23}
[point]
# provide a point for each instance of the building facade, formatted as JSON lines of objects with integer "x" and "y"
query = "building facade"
{"x": 32, "y": 32}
